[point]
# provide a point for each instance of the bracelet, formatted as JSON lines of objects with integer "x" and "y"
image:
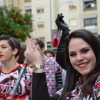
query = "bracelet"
{"x": 36, "y": 67}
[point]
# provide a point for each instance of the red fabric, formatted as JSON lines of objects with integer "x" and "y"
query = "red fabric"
{"x": 55, "y": 42}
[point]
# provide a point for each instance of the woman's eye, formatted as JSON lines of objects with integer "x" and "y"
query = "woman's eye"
{"x": 72, "y": 54}
{"x": 4, "y": 47}
{"x": 85, "y": 50}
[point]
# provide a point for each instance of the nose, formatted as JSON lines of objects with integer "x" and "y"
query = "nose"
{"x": 0, "y": 50}
{"x": 79, "y": 57}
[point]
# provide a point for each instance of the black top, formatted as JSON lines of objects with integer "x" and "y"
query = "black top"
{"x": 39, "y": 88}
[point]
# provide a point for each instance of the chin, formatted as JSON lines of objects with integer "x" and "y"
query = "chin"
{"x": 84, "y": 74}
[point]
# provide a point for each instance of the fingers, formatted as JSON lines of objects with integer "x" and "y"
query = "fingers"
{"x": 33, "y": 47}
{"x": 30, "y": 45}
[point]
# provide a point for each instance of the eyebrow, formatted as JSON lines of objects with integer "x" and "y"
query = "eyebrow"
{"x": 3, "y": 44}
{"x": 80, "y": 49}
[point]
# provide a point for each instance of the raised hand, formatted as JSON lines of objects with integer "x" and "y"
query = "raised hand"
{"x": 31, "y": 53}
{"x": 61, "y": 24}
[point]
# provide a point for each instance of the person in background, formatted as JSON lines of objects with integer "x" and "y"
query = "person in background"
{"x": 59, "y": 75}
{"x": 51, "y": 67}
{"x": 82, "y": 57}
{"x": 49, "y": 53}
{"x": 10, "y": 70}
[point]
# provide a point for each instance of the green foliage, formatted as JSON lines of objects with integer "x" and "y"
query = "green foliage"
{"x": 15, "y": 24}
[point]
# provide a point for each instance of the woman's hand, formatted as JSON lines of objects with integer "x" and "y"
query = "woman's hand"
{"x": 31, "y": 53}
{"x": 61, "y": 24}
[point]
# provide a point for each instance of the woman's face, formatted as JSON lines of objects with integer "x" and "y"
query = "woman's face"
{"x": 81, "y": 56}
{"x": 5, "y": 51}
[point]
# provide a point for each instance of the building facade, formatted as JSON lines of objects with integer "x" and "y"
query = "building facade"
{"x": 78, "y": 14}
{"x": 24, "y": 5}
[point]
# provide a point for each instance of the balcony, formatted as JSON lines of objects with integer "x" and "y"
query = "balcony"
{"x": 90, "y": 5}
{"x": 92, "y": 8}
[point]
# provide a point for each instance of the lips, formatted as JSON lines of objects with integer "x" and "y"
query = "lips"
{"x": 82, "y": 65}
{"x": 1, "y": 56}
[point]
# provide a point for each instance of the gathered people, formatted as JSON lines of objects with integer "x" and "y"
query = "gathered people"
{"x": 10, "y": 70}
{"x": 82, "y": 55}
{"x": 51, "y": 68}
{"x": 60, "y": 76}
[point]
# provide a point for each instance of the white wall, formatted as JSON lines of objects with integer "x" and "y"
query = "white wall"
{"x": 1, "y": 3}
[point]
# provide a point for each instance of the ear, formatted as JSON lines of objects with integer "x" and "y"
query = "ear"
{"x": 15, "y": 51}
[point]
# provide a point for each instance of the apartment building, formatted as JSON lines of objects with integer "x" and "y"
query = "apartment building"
{"x": 77, "y": 14}
{"x": 24, "y": 5}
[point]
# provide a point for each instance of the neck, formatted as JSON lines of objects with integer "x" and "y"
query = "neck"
{"x": 9, "y": 65}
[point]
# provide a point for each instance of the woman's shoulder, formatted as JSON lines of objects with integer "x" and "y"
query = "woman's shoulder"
{"x": 96, "y": 89}
{"x": 97, "y": 82}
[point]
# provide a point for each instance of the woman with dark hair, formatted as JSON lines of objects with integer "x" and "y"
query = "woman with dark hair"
{"x": 82, "y": 61}
{"x": 10, "y": 70}
{"x": 82, "y": 55}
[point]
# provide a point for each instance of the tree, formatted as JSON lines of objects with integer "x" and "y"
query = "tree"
{"x": 15, "y": 24}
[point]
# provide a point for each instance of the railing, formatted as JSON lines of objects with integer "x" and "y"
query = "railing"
{"x": 91, "y": 8}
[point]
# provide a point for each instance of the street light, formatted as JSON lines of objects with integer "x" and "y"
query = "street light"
{"x": 69, "y": 2}
{"x": 51, "y": 24}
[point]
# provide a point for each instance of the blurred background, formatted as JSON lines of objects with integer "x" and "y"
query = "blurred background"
{"x": 78, "y": 14}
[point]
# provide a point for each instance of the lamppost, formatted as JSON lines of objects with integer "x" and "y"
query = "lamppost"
{"x": 69, "y": 2}
{"x": 51, "y": 24}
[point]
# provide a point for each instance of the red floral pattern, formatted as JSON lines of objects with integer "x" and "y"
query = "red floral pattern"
{"x": 7, "y": 82}
{"x": 51, "y": 66}
{"x": 75, "y": 94}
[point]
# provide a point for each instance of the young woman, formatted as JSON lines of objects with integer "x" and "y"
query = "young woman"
{"x": 82, "y": 60}
{"x": 82, "y": 55}
{"x": 10, "y": 70}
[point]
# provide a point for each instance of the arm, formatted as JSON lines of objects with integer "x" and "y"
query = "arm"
{"x": 60, "y": 53}
{"x": 65, "y": 31}
{"x": 39, "y": 85}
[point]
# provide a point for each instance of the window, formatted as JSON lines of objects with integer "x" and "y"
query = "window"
{"x": 40, "y": 25}
{"x": 72, "y": 7}
{"x": 28, "y": 11}
{"x": 27, "y": 0}
{"x": 40, "y": 10}
{"x": 90, "y": 21}
{"x": 73, "y": 22}
{"x": 90, "y": 4}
